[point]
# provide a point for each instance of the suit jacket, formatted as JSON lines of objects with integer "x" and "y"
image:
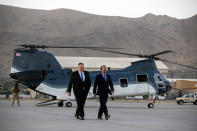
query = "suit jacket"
{"x": 104, "y": 87}
{"x": 77, "y": 84}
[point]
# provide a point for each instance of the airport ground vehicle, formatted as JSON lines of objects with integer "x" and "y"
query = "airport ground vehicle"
{"x": 189, "y": 98}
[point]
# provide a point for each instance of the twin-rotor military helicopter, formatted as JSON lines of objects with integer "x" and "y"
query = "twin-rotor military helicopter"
{"x": 39, "y": 70}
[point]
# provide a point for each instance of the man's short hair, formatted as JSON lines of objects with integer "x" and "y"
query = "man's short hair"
{"x": 102, "y": 67}
{"x": 16, "y": 84}
{"x": 80, "y": 64}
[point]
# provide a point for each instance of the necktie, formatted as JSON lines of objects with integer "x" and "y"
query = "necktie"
{"x": 104, "y": 75}
{"x": 82, "y": 80}
{"x": 82, "y": 76}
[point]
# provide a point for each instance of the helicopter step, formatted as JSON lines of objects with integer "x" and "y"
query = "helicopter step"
{"x": 52, "y": 102}
{"x": 49, "y": 102}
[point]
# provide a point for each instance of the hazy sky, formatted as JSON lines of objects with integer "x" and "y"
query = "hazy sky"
{"x": 128, "y": 8}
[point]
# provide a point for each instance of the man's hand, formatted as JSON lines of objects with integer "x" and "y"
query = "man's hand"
{"x": 112, "y": 92}
{"x": 94, "y": 95}
{"x": 69, "y": 94}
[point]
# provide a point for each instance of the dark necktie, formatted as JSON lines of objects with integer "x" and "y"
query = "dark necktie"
{"x": 81, "y": 76}
{"x": 104, "y": 76}
{"x": 82, "y": 80}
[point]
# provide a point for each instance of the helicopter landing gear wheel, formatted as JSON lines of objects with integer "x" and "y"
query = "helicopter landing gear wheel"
{"x": 68, "y": 104}
{"x": 60, "y": 104}
{"x": 150, "y": 105}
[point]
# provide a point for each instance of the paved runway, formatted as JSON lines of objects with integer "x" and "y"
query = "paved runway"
{"x": 125, "y": 117}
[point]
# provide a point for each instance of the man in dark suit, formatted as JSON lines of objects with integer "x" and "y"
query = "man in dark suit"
{"x": 101, "y": 87}
{"x": 80, "y": 81}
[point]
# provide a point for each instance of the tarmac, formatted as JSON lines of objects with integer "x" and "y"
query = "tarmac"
{"x": 125, "y": 117}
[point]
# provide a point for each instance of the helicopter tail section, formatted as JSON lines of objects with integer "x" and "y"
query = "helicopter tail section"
{"x": 31, "y": 66}
{"x": 33, "y": 60}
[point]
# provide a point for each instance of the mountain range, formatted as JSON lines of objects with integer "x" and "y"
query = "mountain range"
{"x": 64, "y": 27}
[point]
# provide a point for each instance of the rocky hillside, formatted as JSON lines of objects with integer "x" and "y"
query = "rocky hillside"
{"x": 149, "y": 33}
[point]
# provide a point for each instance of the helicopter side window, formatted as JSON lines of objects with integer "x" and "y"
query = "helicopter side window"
{"x": 123, "y": 82}
{"x": 43, "y": 73}
{"x": 142, "y": 78}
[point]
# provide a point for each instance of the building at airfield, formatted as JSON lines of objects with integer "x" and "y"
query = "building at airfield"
{"x": 94, "y": 63}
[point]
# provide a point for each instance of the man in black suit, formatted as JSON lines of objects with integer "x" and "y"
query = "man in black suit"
{"x": 81, "y": 83}
{"x": 103, "y": 82}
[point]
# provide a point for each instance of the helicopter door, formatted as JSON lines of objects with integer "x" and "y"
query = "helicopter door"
{"x": 142, "y": 84}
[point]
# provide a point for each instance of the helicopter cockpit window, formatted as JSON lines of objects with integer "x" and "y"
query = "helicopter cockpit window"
{"x": 123, "y": 82}
{"x": 159, "y": 78}
{"x": 142, "y": 78}
{"x": 160, "y": 84}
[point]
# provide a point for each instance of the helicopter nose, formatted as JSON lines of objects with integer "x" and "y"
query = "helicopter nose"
{"x": 168, "y": 86}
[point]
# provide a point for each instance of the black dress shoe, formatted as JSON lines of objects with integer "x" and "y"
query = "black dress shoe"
{"x": 100, "y": 118}
{"x": 76, "y": 116}
{"x": 107, "y": 117}
{"x": 81, "y": 117}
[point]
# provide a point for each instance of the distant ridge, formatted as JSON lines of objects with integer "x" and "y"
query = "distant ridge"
{"x": 150, "y": 33}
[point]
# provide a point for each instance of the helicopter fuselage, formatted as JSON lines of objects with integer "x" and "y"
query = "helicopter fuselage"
{"x": 41, "y": 72}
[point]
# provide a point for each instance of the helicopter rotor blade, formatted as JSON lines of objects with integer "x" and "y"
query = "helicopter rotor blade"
{"x": 161, "y": 53}
{"x": 110, "y": 51}
{"x": 116, "y": 52}
{"x": 137, "y": 55}
{"x": 82, "y": 47}
{"x": 177, "y": 63}
{"x": 46, "y": 46}
{"x": 148, "y": 56}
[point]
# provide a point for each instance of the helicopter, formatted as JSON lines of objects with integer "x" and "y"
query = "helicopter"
{"x": 40, "y": 71}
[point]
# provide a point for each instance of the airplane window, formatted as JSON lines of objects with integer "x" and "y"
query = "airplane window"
{"x": 142, "y": 78}
{"x": 123, "y": 82}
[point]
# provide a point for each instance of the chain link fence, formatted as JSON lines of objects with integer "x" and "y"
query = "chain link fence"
{"x": 182, "y": 74}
